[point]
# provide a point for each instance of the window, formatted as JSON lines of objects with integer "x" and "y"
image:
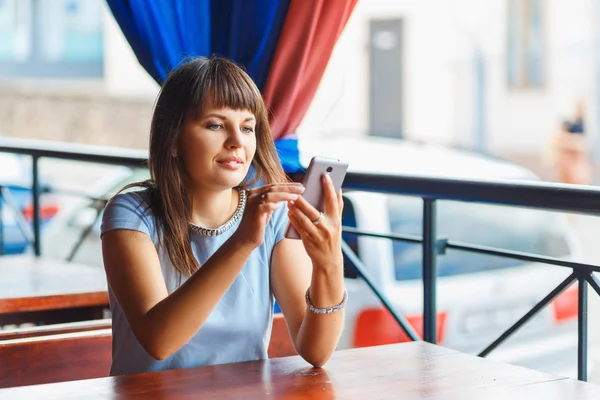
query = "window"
{"x": 525, "y": 53}
{"x": 349, "y": 220}
{"x": 509, "y": 228}
{"x": 51, "y": 38}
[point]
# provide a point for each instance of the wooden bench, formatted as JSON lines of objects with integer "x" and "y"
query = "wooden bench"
{"x": 55, "y": 358}
{"x": 55, "y": 329}
{"x": 33, "y": 356}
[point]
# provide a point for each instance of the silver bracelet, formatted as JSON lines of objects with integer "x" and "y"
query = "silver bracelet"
{"x": 326, "y": 310}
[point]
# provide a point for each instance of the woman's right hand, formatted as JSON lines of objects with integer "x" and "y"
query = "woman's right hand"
{"x": 260, "y": 205}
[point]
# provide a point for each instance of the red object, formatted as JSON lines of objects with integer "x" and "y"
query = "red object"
{"x": 46, "y": 211}
{"x": 307, "y": 39}
{"x": 377, "y": 326}
{"x": 566, "y": 305}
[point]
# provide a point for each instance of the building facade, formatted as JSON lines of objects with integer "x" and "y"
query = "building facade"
{"x": 499, "y": 75}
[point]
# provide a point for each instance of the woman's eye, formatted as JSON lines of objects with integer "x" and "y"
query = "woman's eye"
{"x": 248, "y": 129}
{"x": 215, "y": 127}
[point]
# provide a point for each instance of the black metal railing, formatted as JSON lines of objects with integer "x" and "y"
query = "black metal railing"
{"x": 37, "y": 149}
{"x": 546, "y": 196}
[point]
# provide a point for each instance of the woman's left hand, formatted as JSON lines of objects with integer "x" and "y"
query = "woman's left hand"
{"x": 321, "y": 234}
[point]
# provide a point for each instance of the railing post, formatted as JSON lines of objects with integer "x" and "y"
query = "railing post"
{"x": 429, "y": 271}
{"x": 582, "y": 327}
{"x": 35, "y": 189}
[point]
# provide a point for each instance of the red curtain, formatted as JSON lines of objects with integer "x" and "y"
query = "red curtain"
{"x": 309, "y": 34}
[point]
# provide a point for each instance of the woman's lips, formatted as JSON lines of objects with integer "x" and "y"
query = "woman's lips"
{"x": 232, "y": 164}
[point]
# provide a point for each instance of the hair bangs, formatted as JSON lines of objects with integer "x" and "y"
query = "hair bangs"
{"x": 225, "y": 86}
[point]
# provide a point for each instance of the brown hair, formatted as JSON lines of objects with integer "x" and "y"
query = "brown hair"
{"x": 193, "y": 84}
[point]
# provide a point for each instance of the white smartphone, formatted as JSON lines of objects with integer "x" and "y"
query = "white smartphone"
{"x": 313, "y": 186}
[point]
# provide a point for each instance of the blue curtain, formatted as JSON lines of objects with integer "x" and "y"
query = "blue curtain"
{"x": 162, "y": 33}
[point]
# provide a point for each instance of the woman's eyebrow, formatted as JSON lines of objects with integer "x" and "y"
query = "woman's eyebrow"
{"x": 220, "y": 116}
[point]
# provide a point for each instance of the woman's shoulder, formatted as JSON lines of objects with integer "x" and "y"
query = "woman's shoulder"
{"x": 129, "y": 210}
{"x": 135, "y": 200}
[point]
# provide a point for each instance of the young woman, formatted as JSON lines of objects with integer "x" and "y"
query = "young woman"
{"x": 195, "y": 258}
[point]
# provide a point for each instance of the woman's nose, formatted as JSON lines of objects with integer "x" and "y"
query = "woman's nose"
{"x": 236, "y": 138}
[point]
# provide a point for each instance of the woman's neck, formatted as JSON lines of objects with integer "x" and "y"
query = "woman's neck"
{"x": 213, "y": 209}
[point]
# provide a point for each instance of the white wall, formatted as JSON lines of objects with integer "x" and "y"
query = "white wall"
{"x": 123, "y": 74}
{"x": 341, "y": 103}
{"x": 523, "y": 120}
{"x": 438, "y": 76}
{"x": 439, "y": 73}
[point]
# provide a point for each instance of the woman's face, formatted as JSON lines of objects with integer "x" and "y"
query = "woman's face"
{"x": 217, "y": 148}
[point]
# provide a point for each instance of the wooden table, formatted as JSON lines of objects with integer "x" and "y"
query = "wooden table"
{"x": 55, "y": 290}
{"x": 403, "y": 371}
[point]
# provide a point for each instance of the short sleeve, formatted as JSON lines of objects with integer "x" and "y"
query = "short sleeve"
{"x": 128, "y": 211}
{"x": 280, "y": 221}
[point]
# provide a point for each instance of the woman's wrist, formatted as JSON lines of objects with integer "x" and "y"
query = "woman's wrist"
{"x": 333, "y": 267}
{"x": 327, "y": 285}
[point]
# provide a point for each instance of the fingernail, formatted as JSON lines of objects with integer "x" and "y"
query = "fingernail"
{"x": 294, "y": 196}
{"x": 328, "y": 177}
{"x": 301, "y": 189}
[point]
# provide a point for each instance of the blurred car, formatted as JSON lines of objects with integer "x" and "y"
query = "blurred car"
{"x": 74, "y": 232}
{"x": 16, "y": 203}
{"x": 478, "y": 296}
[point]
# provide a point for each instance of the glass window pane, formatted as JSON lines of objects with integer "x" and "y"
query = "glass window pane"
{"x": 503, "y": 227}
{"x": 525, "y": 43}
{"x": 513, "y": 44}
{"x": 535, "y": 72}
{"x": 15, "y": 30}
{"x": 349, "y": 220}
{"x": 71, "y": 30}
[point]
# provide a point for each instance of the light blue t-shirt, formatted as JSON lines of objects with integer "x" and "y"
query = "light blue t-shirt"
{"x": 239, "y": 327}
